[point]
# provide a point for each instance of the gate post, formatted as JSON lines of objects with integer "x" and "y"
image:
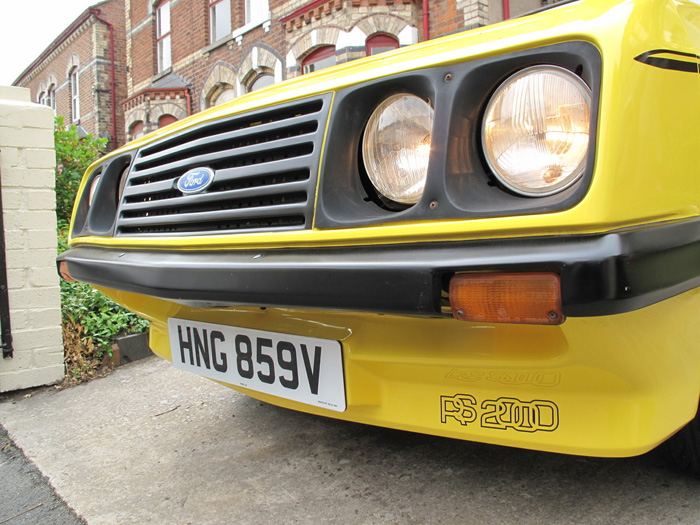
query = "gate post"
{"x": 27, "y": 172}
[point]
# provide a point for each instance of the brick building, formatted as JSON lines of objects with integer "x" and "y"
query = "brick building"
{"x": 184, "y": 56}
{"x": 82, "y": 74}
{"x": 127, "y": 67}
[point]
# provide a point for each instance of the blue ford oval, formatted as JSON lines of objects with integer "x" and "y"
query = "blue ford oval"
{"x": 195, "y": 180}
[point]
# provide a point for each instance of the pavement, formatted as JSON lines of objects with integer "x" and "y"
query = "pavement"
{"x": 26, "y": 497}
{"x": 151, "y": 444}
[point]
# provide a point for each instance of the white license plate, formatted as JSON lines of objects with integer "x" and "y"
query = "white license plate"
{"x": 304, "y": 369}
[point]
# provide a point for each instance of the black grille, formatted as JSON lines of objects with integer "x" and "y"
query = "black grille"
{"x": 265, "y": 165}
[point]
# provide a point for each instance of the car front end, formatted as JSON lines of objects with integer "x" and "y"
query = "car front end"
{"x": 493, "y": 236}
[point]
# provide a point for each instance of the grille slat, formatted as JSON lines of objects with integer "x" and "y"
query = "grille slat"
{"x": 232, "y": 136}
{"x": 265, "y": 164}
{"x": 280, "y": 210}
{"x": 148, "y": 203}
{"x": 246, "y": 175}
{"x": 291, "y": 147}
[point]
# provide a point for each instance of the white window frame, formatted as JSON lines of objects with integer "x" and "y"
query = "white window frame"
{"x": 51, "y": 97}
{"x": 74, "y": 94}
{"x": 219, "y": 9}
{"x": 256, "y": 12}
{"x": 163, "y": 36}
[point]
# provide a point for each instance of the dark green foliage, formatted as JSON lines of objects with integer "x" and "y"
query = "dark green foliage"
{"x": 91, "y": 321}
{"x": 73, "y": 156}
{"x": 101, "y": 319}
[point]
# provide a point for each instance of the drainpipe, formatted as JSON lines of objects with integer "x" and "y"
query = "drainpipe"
{"x": 426, "y": 21}
{"x": 187, "y": 100}
{"x": 506, "y": 9}
{"x": 96, "y": 14}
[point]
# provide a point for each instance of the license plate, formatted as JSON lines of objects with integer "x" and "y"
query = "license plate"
{"x": 304, "y": 369}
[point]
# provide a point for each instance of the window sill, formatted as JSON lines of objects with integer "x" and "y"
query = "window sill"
{"x": 217, "y": 44}
{"x": 250, "y": 26}
{"x": 161, "y": 74}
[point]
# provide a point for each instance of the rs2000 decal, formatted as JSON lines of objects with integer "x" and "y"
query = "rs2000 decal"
{"x": 502, "y": 413}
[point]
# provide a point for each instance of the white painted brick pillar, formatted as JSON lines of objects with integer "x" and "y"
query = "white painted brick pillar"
{"x": 27, "y": 161}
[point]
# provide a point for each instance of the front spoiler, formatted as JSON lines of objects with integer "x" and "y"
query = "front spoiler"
{"x": 600, "y": 274}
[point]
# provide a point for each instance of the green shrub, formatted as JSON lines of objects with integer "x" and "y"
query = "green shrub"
{"x": 91, "y": 321}
{"x": 73, "y": 155}
{"x": 101, "y": 319}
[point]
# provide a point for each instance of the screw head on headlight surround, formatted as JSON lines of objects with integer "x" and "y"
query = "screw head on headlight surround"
{"x": 535, "y": 132}
{"x": 396, "y": 147}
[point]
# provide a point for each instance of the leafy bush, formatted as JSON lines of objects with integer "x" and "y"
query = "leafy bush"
{"x": 101, "y": 320}
{"x": 91, "y": 321}
{"x": 73, "y": 155}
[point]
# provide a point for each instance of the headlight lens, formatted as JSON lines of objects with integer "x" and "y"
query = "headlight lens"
{"x": 396, "y": 147}
{"x": 93, "y": 188}
{"x": 535, "y": 131}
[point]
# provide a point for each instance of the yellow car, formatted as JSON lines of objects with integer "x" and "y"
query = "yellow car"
{"x": 493, "y": 236}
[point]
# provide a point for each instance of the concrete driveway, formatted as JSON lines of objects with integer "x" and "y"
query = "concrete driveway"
{"x": 150, "y": 444}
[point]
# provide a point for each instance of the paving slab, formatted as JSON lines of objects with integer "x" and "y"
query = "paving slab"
{"x": 151, "y": 444}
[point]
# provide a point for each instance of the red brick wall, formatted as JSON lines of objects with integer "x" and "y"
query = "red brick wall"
{"x": 194, "y": 58}
{"x": 189, "y": 35}
{"x": 189, "y": 26}
{"x": 113, "y": 12}
{"x": 143, "y": 55}
{"x": 90, "y": 43}
{"x": 444, "y": 18}
{"x": 81, "y": 45}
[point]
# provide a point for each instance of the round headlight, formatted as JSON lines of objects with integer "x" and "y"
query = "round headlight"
{"x": 396, "y": 147}
{"x": 535, "y": 131}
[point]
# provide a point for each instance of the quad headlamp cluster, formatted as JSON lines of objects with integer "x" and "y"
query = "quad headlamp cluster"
{"x": 534, "y": 136}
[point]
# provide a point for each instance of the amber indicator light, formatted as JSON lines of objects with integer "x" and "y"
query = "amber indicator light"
{"x": 527, "y": 298}
{"x": 64, "y": 273}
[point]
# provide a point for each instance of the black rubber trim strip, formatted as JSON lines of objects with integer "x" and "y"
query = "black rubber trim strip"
{"x": 600, "y": 274}
{"x": 669, "y": 63}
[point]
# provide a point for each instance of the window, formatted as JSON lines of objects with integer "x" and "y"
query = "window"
{"x": 51, "y": 97}
{"x": 166, "y": 120}
{"x": 219, "y": 19}
{"x": 41, "y": 98}
{"x": 224, "y": 93}
{"x": 256, "y": 11}
{"x": 322, "y": 57}
{"x": 74, "y": 94}
{"x": 136, "y": 130}
{"x": 163, "y": 35}
{"x": 261, "y": 81}
{"x": 379, "y": 43}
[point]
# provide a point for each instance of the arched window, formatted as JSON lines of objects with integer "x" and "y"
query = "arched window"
{"x": 261, "y": 81}
{"x": 321, "y": 58}
{"x": 165, "y": 120}
{"x": 379, "y": 43}
{"x": 51, "y": 97}
{"x": 74, "y": 94}
{"x": 221, "y": 93}
{"x": 136, "y": 130}
{"x": 41, "y": 98}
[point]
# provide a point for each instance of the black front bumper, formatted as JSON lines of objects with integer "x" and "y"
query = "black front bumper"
{"x": 600, "y": 274}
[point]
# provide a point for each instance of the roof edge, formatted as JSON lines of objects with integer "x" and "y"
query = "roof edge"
{"x": 80, "y": 20}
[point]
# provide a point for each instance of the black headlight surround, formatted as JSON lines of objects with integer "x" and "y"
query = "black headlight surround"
{"x": 459, "y": 182}
{"x": 100, "y": 217}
